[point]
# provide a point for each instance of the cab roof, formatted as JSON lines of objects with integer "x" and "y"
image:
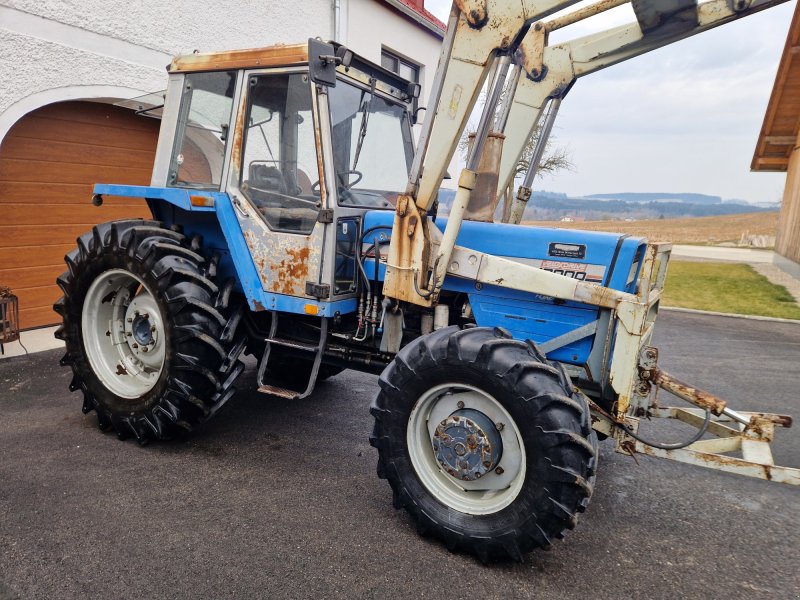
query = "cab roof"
{"x": 287, "y": 55}
{"x": 271, "y": 56}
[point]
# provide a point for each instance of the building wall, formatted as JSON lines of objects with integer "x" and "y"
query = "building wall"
{"x": 372, "y": 26}
{"x": 787, "y": 242}
{"x": 56, "y": 49}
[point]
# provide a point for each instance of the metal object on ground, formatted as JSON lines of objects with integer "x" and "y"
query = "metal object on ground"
{"x": 265, "y": 247}
{"x": 9, "y": 320}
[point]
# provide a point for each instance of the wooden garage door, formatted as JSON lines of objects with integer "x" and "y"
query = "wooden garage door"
{"x": 48, "y": 163}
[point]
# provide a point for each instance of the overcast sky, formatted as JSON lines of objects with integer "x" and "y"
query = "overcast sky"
{"x": 684, "y": 118}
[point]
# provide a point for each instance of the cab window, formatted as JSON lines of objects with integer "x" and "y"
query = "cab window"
{"x": 203, "y": 125}
{"x": 279, "y": 172}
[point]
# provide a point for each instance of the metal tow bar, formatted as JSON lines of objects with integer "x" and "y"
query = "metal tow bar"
{"x": 747, "y": 433}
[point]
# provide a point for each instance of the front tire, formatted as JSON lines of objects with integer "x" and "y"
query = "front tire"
{"x": 150, "y": 335}
{"x": 484, "y": 442}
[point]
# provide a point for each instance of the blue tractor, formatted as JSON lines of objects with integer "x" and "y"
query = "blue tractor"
{"x": 294, "y": 221}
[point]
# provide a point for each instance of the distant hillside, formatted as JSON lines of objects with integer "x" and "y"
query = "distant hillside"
{"x": 549, "y": 208}
{"x": 659, "y": 197}
{"x": 553, "y": 206}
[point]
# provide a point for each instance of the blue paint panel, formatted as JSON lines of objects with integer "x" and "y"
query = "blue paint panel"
{"x": 240, "y": 254}
{"x": 222, "y": 234}
{"x": 180, "y": 197}
{"x": 531, "y": 316}
{"x": 251, "y": 282}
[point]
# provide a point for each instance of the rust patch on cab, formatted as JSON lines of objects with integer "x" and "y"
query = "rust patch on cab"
{"x": 291, "y": 273}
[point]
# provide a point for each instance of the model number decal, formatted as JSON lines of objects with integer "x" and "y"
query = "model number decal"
{"x": 579, "y": 271}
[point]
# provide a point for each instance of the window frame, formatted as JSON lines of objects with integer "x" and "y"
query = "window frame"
{"x": 401, "y": 60}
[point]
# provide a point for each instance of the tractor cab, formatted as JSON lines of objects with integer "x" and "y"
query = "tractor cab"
{"x": 298, "y": 137}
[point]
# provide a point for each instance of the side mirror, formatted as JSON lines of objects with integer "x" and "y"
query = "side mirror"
{"x": 322, "y": 62}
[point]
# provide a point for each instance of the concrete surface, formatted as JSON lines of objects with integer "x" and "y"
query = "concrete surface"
{"x": 720, "y": 253}
{"x": 32, "y": 340}
{"x": 279, "y": 499}
{"x": 778, "y": 276}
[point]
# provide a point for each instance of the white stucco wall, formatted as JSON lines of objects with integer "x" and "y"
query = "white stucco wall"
{"x": 61, "y": 49}
{"x": 54, "y": 50}
{"x": 372, "y": 26}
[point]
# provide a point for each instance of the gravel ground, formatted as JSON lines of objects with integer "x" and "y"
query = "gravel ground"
{"x": 279, "y": 499}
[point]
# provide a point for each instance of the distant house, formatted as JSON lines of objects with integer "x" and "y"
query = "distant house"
{"x": 778, "y": 143}
{"x": 567, "y": 219}
{"x": 66, "y": 64}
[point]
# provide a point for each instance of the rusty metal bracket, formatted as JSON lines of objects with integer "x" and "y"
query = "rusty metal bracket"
{"x": 748, "y": 434}
{"x": 752, "y": 442}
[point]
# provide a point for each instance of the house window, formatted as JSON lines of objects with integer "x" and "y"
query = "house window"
{"x": 404, "y": 68}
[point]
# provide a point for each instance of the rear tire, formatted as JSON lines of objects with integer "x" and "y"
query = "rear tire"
{"x": 150, "y": 336}
{"x": 548, "y": 449}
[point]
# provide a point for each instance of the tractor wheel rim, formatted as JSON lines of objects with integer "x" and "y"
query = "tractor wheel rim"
{"x": 463, "y": 411}
{"x": 123, "y": 333}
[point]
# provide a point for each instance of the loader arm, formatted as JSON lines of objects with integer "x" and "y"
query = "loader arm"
{"x": 482, "y": 36}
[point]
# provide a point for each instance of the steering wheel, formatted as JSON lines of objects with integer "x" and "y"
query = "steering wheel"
{"x": 359, "y": 176}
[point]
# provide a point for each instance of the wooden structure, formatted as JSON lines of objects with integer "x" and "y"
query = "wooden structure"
{"x": 49, "y": 162}
{"x": 778, "y": 147}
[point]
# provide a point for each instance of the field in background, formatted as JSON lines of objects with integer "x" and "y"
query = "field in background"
{"x": 698, "y": 230}
{"x": 727, "y": 288}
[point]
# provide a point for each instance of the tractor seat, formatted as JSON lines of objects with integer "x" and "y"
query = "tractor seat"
{"x": 267, "y": 177}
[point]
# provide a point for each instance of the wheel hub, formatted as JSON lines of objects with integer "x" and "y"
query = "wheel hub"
{"x": 141, "y": 330}
{"x": 123, "y": 333}
{"x": 467, "y": 444}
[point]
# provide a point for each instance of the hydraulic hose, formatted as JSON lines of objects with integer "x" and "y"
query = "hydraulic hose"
{"x": 662, "y": 446}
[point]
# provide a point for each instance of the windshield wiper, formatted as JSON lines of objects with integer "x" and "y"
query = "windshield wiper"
{"x": 362, "y": 131}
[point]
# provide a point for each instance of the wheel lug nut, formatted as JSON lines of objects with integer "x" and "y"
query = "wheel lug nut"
{"x": 129, "y": 334}
{"x": 145, "y": 348}
{"x": 499, "y": 426}
{"x": 153, "y": 328}
{"x": 499, "y": 470}
{"x": 460, "y": 404}
{"x": 130, "y": 319}
{"x": 135, "y": 345}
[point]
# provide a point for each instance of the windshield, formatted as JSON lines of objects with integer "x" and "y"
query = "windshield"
{"x": 372, "y": 146}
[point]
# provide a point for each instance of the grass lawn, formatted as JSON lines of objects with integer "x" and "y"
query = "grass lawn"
{"x": 728, "y": 288}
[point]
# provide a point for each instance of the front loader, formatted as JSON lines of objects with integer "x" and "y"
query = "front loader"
{"x": 294, "y": 220}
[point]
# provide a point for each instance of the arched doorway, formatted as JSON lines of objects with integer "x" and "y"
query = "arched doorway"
{"x": 49, "y": 161}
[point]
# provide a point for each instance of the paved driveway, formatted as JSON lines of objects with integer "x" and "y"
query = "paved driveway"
{"x": 280, "y": 499}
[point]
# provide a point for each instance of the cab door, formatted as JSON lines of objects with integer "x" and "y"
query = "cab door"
{"x": 276, "y": 182}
